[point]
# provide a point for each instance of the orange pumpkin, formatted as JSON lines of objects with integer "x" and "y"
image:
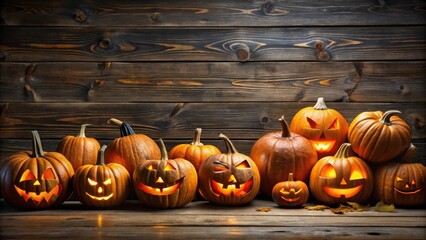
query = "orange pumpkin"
{"x": 341, "y": 178}
{"x": 326, "y": 128}
{"x": 277, "y": 154}
{"x": 79, "y": 150}
{"x": 130, "y": 149}
{"x": 290, "y": 193}
{"x": 195, "y": 152}
{"x": 379, "y": 137}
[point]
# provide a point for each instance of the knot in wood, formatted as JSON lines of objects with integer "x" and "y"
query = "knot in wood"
{"x": 155, "y": 17}
{"x": 105, "y": 43}
{"x": 268, "y": 6}
{"x": 242, "y": 51}
{"x": 320, "y": 51}
{"x": 80, "y": 16}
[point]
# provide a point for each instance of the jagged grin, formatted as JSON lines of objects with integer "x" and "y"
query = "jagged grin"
{"x": 37, "y": 198}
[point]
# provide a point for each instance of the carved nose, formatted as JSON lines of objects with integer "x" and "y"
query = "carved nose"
{"x": 232, "y": 179}
{"x": 36, "y": 183}
{"x": 160, "y": 180}
{"x": 100, "y": 190}
{"x": 343, "y": 182}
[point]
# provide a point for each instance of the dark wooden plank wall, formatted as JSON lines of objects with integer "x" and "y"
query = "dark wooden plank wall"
{"x": 167, "y": 67}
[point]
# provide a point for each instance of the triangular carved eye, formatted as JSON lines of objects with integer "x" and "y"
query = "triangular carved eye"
{"x": 27, "y": 175}
{"x": 334, "y": 124}
{"x": 48, "y": 175}
{"x": 220, "y": 166}
{"x": 169, "y": 167}
{"x": 243, "y": 165}
{"x": 328, "y": 171}
{"x": 311, "y": 122}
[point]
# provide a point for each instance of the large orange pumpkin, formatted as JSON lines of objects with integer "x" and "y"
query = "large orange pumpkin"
{"x": 79, "y": 150}
{"x": 326, "y": 128}
{"x": 379, "y": 137}
{"x": 195, "y": 152}
{"x": 277, "y": 154}
{"x": 130, "y": 149}
{"x": 341, "y": 178}
{"x": 37, "y": 179}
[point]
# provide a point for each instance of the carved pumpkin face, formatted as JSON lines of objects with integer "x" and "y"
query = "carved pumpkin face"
{"x": 341, "y": 178}
{"x": 324, "y": 127}
{"x": 229, "y": 179}
{"x": 165, "y": 183}
{"x": 290, "y": 193}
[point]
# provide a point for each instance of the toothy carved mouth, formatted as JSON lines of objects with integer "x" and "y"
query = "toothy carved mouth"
{"x": 407, "y": 192}
{"x": 100, "y": 198}
{"x": 233, "y": 188}
{"x": 161, "y": 190}
{"x": 37, "y": 198}
{"x": 346, "y": 192}
{"x": 322, "y": 146}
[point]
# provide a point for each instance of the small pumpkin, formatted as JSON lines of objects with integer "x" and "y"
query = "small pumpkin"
{"x": 79, "y": 150}
{"x": 290, "y": 193}
{"x": 37, "y": 179}
{"x": 379, "y": 137}
{"x": 165, "y": 183}
{"x": 402, "y": 183}
{"x": 130, "y": 149}
{"x": 101, "y": 185}
{"x": 341, "y": 178}
{"x": 325, "y": 127}
{"x": 277, "y": 154}
{"x": 195, "y": 152}
{"x": 229, "y": 178}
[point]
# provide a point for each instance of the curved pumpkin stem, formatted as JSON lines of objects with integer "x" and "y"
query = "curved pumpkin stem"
{"x": 385, "y": 119}
{"x": 343, "y": 151}
{"x": 286, "y": 130}
{"x": 101, "y": 156}
{"x": 83, "y": 130}
{"x": 320, "y": 105}
{"x": 229, "y": 146}
{"x": 197, "y": 137}
{"x": 408, "y": 155}
{"x": 125, "y": 129}
{"x": 164, "y": 155}
{"x": 37, "y": 147}
{"x": 290, "y": 177}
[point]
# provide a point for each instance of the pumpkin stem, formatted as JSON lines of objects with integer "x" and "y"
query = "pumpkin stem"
{"x": 343, "y": 151}
{"x": 125, "y": 129}
{"x": 197, "y": 137}
{"x": 101, "y": 156}
{"x": 290, "y": 177}
{"x": 286, "y": 130}
{"x": 83, "y": 130}
{"x": 229, "y": 146}
{"x": 408, "y": 155}
{"x": 320, "y": 105}
{"x": 164, "y": 155}
{"x": 37, "y": 147}
{"x": 385, "y": 119}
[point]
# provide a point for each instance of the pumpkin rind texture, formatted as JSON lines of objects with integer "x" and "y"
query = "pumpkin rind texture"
{"x": 326, "y": 128}
{"x": 37, "y": 179}
{"x": 79, "y": 150}
{"x": 290, "y": 193}
{"x": 379, "y": 137}
{"x": 341, "y": 178}
{"x": 229, "y": 178}
{"x": 195, "y": 152}
{"x": 277, "y": 154}
{"x": 165, "y": 183}
{"x": 100, "y": 185}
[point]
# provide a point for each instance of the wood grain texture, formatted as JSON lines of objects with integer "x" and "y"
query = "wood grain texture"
{"x": 214, "y": 44}
{"x": 217, "y": 13}
{"x": 114, "y": 82}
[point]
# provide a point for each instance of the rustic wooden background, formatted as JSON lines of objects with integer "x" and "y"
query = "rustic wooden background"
{"x": 167, "y": 67}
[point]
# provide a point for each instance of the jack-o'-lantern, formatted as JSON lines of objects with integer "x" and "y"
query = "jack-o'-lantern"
{"x": 402, "y": 183}
{"x": 79, "y": 150}
{"x": 341, "y": 178}
{"x": 195, "y": 152}
{"x": 290, "y": 193}
{"x": 37, "y": 179}
{"x": 101, "y": 185}
{"x": 379, "y": 137}
{"x": 130, "y": 149}
{"x": 229, "y": 178}
{"x": 277, "y": 154}
{"x": 326, "y": 128}
{"x": 165, "y": 183}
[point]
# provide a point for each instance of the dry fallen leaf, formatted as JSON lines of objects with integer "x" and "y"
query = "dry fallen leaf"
{"x": 341, "y": 209}
{"x": 358, "y": 207}
{"x": 317, "y": 207}
{"x": 266, "y": 209}
{"x": 383, "y": 207}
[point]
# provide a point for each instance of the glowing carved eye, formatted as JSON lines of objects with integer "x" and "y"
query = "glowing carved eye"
{"x": 107, "y": 182}
{"x": 243, "y": 165}
{"x": 27, "y": 175}
{"x": 91, "y": 182}
{"x": 328, "y": 171}
{"x": 151, "y": 167}
{"x": 220, "y": 167}
{"x": 48, "y": 175}
{"x": 413, "y": 182}
{"x": 334, "y": 124}
{"x": 169, "y": 167}
{"x": 398, "y": 179}
{"x": 312, "y": 123}
{"x": 356, "y": 175}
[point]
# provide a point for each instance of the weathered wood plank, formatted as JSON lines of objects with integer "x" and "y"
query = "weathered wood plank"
{"x": 247, "y": 120}
{"x": 213, "y": 44}
{"x": 217, "y": 13}
{"x": 399, "y": 81}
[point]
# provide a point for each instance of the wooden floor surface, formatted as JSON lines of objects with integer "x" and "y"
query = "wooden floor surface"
{"x": 202, "y": 220}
